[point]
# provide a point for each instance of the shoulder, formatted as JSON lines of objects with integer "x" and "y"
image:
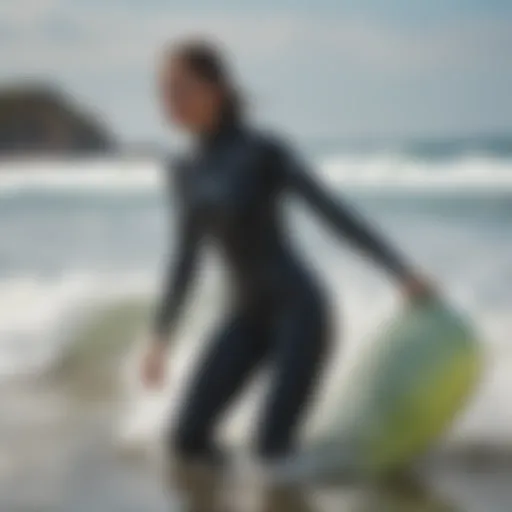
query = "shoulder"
{"x": 274, "y": 148}
{"x": 269, "y": 141}
{"x": 282, "y": 157}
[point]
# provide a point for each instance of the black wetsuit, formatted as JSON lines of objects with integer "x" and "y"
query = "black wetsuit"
{"x": 231, "y": 191}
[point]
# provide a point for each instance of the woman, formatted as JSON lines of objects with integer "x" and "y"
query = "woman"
{"x": 230, "y": 190}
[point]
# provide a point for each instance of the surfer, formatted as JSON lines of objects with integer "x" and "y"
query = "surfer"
{"x": 230, "y": 190}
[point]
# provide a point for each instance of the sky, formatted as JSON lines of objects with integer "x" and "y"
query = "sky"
{"x": 317, "y": 68}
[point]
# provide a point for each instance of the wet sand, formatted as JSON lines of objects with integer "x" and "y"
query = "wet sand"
{"x": 59, "y": 456}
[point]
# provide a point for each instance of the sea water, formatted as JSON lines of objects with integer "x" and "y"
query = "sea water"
{"x": 80, "y": 239}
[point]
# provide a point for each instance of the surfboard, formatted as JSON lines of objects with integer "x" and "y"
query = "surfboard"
{"x": 405, "y": 391}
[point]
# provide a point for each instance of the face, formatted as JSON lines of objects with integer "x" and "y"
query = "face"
{"x": 188, "y": 101}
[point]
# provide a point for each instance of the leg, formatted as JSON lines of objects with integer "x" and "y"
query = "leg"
{"x": 228, "y": 363}
{"x": 300, "y": 348}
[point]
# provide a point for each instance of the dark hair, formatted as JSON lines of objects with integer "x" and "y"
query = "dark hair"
{"x": 207, "y": 61}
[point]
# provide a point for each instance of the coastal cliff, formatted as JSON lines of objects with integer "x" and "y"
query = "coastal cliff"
{"x": 41, "y": 119}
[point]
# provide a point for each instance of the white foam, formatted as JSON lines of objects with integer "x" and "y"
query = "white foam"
{"x": 384, "y": 172}
{"x": 393, "y": 172}
{"x": 40, "y": 316}
{"x": 109, "y": 175}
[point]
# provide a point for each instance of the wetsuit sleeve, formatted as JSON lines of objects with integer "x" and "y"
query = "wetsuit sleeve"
{"x": 181, "y": 267}
{"x": 345, "y": 221}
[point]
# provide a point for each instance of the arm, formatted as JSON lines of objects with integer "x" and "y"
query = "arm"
{"x": 342, "y": 218}
{"x": 179, "y": 274}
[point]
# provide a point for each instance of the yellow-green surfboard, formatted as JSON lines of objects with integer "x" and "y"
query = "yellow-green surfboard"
{"x": 415, "y": 378}
{"x": 404, "y": 393}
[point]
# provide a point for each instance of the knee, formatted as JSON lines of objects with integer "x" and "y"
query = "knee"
{"x": 189, "y": 444}
{"x": 274, "y": 446}
{"x": 185, "y": 440}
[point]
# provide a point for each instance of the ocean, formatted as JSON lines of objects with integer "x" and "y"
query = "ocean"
{"x": 82, "y": 252}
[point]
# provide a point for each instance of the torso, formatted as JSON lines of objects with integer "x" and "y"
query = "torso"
{"x": 234, "y": 186}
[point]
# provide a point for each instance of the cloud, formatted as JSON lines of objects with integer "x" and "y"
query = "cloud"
{"x": 105, "y": 41}
{"x": 25, "y": 13}
{"x": 100, "y": 39}
{"x": 297, "y": 58}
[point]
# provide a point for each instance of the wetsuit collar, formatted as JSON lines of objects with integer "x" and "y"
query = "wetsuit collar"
{"x": 226, "y": 129}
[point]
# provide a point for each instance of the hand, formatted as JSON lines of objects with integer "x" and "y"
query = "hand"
{"x": 417, "y": 288}
{"x": 154, "y": 365}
